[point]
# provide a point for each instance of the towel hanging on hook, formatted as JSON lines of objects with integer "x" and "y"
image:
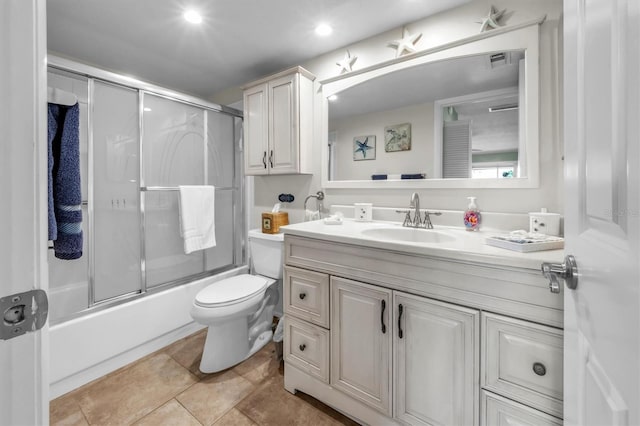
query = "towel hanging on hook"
{"x": 60, "y": 97}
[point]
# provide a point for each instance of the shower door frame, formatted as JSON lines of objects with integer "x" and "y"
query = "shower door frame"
{"x": 142, "y": 88}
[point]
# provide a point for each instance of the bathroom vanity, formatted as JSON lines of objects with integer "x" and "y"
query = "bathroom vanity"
{"x": 393, "y": 325}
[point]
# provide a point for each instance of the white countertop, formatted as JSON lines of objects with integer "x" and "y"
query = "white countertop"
{"x": 466, "y": 246}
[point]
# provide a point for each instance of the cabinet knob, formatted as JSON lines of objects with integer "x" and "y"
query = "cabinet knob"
{"x": 302, "y": 296}
{"x": 539, "y": 368}
{"x": 302, "y": 347}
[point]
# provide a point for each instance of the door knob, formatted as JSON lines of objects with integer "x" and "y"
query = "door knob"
{"x": 566, "y": 272}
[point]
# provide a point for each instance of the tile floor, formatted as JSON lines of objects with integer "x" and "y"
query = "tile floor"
{"x": 166, "y": 388}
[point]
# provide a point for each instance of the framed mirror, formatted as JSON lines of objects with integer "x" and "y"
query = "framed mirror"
{"x": 464, "y": 115}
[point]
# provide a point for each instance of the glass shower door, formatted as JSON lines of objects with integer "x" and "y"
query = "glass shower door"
{"x": 116, "y": 206}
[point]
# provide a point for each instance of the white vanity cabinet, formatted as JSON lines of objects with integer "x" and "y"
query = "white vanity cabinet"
{"x": 278, "y": 116}
{"x": 421, "y": 340}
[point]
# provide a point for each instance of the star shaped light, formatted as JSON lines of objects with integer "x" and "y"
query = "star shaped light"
{"x": 363, "y": 147}
{"x": 406, "y": 43}
{"x": 492, "y": 19}
{"x": 346, "y": 63}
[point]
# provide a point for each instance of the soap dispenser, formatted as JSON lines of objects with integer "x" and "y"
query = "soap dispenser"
{"x": 472, "y": 215}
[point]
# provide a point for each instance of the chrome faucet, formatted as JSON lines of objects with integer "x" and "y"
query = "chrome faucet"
{"x": 417, "y": 221}
{"x": 415, "y": 205}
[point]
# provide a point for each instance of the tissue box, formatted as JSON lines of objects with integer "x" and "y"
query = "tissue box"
{"x": 271, "y": 222}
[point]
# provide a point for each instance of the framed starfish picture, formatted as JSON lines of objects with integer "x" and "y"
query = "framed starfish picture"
{"x": 364, "y": 148}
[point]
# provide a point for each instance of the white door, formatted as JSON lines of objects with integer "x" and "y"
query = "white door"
{"x": 23, "y": 164}
{"x": 436, "y": 362}
{"x": 361, "y": 342}
{"x": 602, "y": 224}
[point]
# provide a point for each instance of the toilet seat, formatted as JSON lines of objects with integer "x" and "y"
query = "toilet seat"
{"x": 231, "y": 291}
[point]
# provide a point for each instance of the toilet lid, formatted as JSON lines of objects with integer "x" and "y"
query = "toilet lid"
{"x": 231, "y": 290}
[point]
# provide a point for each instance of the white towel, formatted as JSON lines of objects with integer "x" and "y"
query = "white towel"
{"x": 197, "y": 217}
{"x": 310, "y": 215}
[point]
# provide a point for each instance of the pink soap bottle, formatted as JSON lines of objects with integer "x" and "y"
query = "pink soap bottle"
{"x": 472, "y": 215}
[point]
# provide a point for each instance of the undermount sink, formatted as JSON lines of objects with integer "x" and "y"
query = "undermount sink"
{"x": 408, "y": 235}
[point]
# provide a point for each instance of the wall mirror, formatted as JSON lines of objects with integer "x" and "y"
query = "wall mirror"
{"x": 464, "y": 115}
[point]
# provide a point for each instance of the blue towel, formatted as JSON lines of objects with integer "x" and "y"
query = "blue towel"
{"x": 64, "y": 186}
{"x": 52, "y": 125}
{"x": 412, "y": 176}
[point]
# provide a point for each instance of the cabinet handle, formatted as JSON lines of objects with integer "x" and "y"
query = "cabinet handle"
{"x": 539, "y": 368}
{"x": 302, "y": 347}
{"x": 384, "y": 306}
{"x": 302, "y": 296}
{"x": 264, "y": 159}
{"x": 271, "y": 158}
{"x": 400, "y": 309}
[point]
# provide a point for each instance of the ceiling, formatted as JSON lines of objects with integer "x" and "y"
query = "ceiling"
{"x": 238, "y": 40}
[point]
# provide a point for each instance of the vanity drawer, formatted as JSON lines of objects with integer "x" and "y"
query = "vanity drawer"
{"x": 522, "y": 361}
{"x": 306, "y": 295}
{"x": 306, "y": 347}
{"x": 498, "y": 411}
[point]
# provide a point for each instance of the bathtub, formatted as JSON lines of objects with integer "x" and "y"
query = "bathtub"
{"x": 86, "y": 348}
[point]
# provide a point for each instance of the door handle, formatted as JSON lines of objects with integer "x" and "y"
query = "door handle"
{"x": 567, "y": 272}
{"x": 271, "y": 158}
{"x": 400, "y": 309}
{"x": 384, "y": 306}
{"x": 264, "y": 159}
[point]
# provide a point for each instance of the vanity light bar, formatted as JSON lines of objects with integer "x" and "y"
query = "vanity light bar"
{"x": 500, "y": 108}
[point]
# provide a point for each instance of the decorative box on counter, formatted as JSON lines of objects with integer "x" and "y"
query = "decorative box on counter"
{"x": 271, "y": 222}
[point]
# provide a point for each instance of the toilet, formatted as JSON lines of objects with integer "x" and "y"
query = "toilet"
{"x": 238, "y": 311}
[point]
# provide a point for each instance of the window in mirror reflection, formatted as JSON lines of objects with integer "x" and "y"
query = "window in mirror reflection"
{"x": 479, "y": 132}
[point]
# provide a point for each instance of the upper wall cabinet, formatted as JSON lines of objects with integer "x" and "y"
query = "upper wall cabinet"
{"x": 278, "y": 123}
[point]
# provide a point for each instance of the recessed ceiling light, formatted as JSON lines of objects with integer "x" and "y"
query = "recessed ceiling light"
{"x": 323, "y": 30}
{"x": 192, "y": 16}
{"x": 332, "y": 98}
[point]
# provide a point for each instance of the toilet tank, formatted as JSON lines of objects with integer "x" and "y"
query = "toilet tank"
{"x": 267, "y": 251}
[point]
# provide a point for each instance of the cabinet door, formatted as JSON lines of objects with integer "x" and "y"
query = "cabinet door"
{"x": 361, "y": 342}
{"x": 284, "y": 108}
{"x": 256, "y": 130}
{"x": 436, "y": 362}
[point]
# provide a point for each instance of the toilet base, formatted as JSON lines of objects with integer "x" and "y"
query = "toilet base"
{"x": 228, "y": 344}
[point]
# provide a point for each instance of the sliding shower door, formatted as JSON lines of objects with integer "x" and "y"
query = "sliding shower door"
{"x": 115, "y": 192}
{"x": 185, "y": 145}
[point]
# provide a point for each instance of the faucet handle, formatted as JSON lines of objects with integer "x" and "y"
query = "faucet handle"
{"x": 427, "y": 220}
{"x": 407, "y": 217}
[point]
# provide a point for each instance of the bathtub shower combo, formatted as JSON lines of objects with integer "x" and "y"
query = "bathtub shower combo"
{"x": 131, "y": 290}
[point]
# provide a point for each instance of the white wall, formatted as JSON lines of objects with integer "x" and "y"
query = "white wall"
{"x": 436, "y": 30}
{"x": 416, "y": 160}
